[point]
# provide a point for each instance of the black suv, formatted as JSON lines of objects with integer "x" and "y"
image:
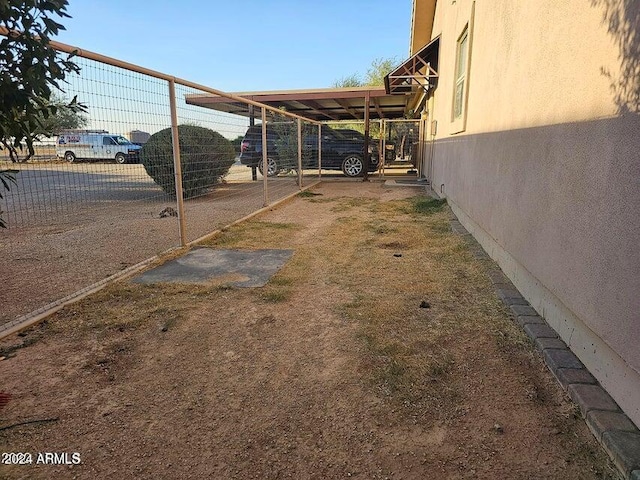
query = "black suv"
{"x": 338, "y": 151}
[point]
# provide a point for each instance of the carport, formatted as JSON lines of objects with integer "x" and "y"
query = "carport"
{"x": 403, "y": 96}
{"x": 319, "y": 105}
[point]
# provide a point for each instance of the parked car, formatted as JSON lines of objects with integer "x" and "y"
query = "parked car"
{"x": 96, "y": 145}
{"x": 349, "y": 133}
{"x": 338, "y": 152}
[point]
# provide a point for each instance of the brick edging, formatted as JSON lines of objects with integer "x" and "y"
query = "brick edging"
{"x": 617, "y": 434}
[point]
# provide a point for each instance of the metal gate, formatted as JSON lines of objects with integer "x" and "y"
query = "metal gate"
{"x": 400, "y": 144}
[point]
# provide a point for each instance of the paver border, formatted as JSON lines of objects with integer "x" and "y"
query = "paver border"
{"x": 614, "y": 430}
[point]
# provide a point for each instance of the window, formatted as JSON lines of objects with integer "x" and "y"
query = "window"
{"x": 462, "y": 56}
{"x": 121, "y": 141}
{"x": 108, "y": 141}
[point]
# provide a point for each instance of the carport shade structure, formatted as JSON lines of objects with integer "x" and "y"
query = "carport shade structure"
{"x": 323, "y": 104}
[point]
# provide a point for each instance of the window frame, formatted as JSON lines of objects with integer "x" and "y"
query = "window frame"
{"x": 464, "y": 42}
{"x": 460, "y": 78}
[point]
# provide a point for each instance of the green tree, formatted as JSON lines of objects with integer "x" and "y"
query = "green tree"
{"x": 352, "y": 80}
{"x": 237, "y": 142}
{"x": 374, "y": 77}
{"x": 64, "y": 119}
{"x": 30, "y": 70}
{"x": 379, "y": 69}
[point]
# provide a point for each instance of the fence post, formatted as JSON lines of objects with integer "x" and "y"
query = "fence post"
{"x": 319, "y": 150}
{"x": 177, "y": 164}
{"x": 367, "y": 101}
{"x": 381, "y": 149}
{"x": 265, "y": 160}
{"x": 300, "y": 154}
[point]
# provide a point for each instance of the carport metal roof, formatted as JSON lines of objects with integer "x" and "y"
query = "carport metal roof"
{"x": 323, "y": 104}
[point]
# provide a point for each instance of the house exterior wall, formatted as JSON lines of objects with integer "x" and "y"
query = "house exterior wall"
{"x": 545, "y": 169}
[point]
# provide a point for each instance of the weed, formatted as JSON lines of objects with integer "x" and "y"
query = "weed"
{"x": 275, "y": 296}
{"x": 380, "y": 228}
{"x": 352, "y": 202}
{"x": 281, "y": 281}
{"x": 255, "y": 234}
{"x": 308, "y": 194}
{"x": 427, "y": 206}
{"x": 441, "y": 226}
{"x": 9, "y": 350}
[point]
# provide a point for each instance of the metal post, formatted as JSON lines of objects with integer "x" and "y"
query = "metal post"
{"x": 300, "y": 153}
{"x": 365, "y": 175}
{"x": 177, "y": 165}
{"x": 319, "y": 150}
{"x": 265, "y": 161}
{"x": 252, "y": 122}
{"x": 384, "y": 146}
{"x": 380, "y": 149}
{"x": 420, "y": 160}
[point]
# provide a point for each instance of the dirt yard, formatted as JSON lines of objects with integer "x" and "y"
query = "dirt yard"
{"x": 332, "y": 370}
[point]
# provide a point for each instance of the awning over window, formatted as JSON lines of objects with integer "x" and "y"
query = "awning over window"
{"x": 418, "y": 71}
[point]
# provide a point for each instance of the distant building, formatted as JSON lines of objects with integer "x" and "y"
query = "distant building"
{"x": 139, "y": 137}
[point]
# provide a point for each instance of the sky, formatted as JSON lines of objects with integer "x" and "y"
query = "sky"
{"x": 244, "y": 45}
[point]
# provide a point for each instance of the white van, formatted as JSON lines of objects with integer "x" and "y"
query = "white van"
{"x": 96, "y": 145}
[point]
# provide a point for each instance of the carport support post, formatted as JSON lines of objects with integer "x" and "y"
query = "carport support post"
{"x": 365, "y": 175}
{"x": 300, "y": 153}
{"x": 252, "y": 122}
{"x": 177, "y": 164}
{"x": 381, "y": 149}
{"x": 265, "y": 161}
{"x": 319, "y": 150}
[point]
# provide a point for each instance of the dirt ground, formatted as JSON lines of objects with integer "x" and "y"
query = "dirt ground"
{"x": 332, "y": 370}
{"x": 86, "y": 239}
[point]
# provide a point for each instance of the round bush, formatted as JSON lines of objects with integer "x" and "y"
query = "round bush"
{"x": 205, "y": 155}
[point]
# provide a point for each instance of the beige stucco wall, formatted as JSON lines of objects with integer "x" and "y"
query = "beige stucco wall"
{"x": 547, "y": 171}
{"x": 421, "y": 24}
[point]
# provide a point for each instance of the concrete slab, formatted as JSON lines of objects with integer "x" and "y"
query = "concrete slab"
{"x": 240, "y": 268}
{"x": 405, "y": 182}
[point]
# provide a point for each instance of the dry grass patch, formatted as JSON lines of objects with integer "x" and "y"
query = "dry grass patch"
{"x": 253, "y": 235}
{"x": 412, "y": 349}
{"x": 351, "y": 361}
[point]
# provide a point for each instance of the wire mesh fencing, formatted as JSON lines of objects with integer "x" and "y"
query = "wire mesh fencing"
{"x": 142, "y": 170}
{"x": 400, "y": 143}
{"x": 393, "y": 147}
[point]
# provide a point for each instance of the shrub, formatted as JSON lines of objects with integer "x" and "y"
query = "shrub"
{"x": 205, "y": 155}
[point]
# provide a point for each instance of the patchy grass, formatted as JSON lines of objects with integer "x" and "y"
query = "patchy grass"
{"x": 128, "y": 306}
{"x": 357, "y": 325}
{"x": 254, "y": 235}
{"x": 426, "y": 206}
{"x": 412, "y": 350}
{"x": 380, "y": 228}
{"x": 275, "y": 295}
{"x": 308, "y": 194}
